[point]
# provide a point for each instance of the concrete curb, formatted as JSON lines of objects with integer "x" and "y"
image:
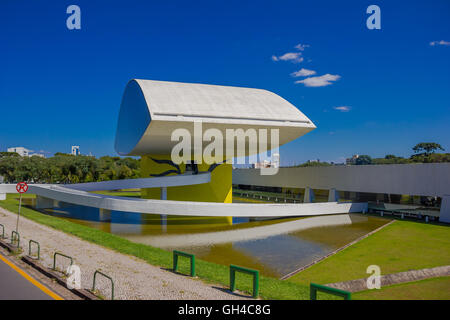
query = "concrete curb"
{"x": 82, "y": 293}
{"x": 8, "y": 246}
{"x": 393, "y": 278}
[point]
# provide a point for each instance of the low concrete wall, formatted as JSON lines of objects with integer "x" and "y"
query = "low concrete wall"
{"x": 425, "y": 179}
{"x": 394, "y": 278}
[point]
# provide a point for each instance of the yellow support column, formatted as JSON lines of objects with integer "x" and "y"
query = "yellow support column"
{"x": 219, "y": 189}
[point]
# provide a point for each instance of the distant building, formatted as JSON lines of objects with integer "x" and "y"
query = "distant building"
{"x": 24, "y": 152}
{"x": 275, "y": 163}
{"x": 263, "y": 164}
{"x": 313, "y": 161}
{"x": 76, "y": 150}
{"x": 352, "y": 160}
{"x": 37, "y": 155}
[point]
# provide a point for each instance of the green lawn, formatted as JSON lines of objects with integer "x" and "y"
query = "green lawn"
{"x": 270, "y": 288}
{"x": 430, "y": 289}
{"x": 401, "y": 246}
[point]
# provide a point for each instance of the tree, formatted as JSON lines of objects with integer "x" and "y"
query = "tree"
{"x": 9, "y": 154}
{"x": 66, "y": 168}
{"x": 363, "y": 159}
{"x": 314, "y": 164}
{"x": 427, "y": 147}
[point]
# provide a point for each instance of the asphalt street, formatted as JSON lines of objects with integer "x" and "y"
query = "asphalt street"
{"x": 16, "y": 284}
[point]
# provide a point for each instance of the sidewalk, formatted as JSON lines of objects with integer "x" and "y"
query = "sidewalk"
{"x": 133, "y": 277}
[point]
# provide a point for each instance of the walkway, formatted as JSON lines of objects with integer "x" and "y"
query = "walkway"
{"x": 134, "y": 278}
{"x": 64, "y": 193}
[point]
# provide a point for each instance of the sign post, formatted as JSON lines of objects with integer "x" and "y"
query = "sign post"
{"x": 21, "y": 187}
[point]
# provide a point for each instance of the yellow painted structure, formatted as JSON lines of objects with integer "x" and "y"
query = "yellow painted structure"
{"x": 219, "y": 189}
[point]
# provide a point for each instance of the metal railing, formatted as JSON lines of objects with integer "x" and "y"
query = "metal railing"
{"x": 62, "y": 255}
{"x": 106, "y": 276}
{"x": 313, "y": 288}
{"x": 253, "y": 272}
{"x": 277, "y": 198}
{"x": 38, "y": 249}
{"x": 177, "y": 253}
{"x": 15, "y": 236}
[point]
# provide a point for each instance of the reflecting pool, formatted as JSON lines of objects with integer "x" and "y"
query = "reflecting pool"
{"x": 275, "y": 247}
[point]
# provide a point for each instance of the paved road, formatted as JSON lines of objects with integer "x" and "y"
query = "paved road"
{"x": 16, "y": 284}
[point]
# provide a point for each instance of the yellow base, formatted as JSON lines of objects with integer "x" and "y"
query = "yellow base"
{"x": 218, "y": 190}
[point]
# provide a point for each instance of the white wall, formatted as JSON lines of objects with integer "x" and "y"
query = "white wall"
{"x": 426, "y": 179}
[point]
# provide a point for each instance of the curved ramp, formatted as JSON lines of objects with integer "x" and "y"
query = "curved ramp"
{"x": 156, "y": 182}
{"x": 77, "y": 194}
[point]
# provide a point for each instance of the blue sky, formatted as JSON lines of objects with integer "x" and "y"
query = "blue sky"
{"x": 61, "y": 87}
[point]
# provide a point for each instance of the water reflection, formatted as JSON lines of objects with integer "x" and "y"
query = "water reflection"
{"x": 275, "y": 247}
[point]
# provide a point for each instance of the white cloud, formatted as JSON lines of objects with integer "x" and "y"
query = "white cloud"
{"x": 342, "y": 108}
{"x": 301, "y": 47}
{"x": 303, "y": 73}
{"x": 320, "y": 81}
{"x": 290, "y": 56}
{"x": 440, "y": 43}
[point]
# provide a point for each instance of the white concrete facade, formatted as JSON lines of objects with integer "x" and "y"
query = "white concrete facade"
{"x": 152, "y": 110}
{"x": 422, "y": 179}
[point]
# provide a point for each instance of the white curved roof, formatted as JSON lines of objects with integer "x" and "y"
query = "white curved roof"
{"x": 151, "y": 110}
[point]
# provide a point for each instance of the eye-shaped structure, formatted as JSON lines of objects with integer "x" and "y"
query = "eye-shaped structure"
{"x": 152, "y": 110}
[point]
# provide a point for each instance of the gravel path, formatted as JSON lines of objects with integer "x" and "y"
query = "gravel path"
{"x": 133, "y": 277}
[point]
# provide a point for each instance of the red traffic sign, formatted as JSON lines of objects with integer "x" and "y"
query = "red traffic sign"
{"x": 22, "y": 187}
